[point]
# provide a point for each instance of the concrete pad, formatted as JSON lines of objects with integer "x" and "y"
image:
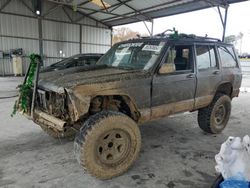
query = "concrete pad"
{"x": 175, "y": 153}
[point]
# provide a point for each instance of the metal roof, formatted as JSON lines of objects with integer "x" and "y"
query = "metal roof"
{"x": 119, "y": 12}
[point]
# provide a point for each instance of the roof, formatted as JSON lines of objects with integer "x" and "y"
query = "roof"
{"x": 119, "y": 12}
{"x": 176, "y": 38}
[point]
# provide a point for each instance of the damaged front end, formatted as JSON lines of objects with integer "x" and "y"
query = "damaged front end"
{"x": 51, "y": 109}
{"x": 58, "y": 109}
{"x": 49, "y": 105}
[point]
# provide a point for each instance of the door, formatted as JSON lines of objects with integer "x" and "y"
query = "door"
{"x": 208, "y": 74}
{"x": 173, "y": 87}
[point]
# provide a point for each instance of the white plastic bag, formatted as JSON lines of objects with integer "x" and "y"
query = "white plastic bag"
{"x": 233, "y": 160}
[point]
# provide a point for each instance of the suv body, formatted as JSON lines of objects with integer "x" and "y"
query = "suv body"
{"x": 137, "y": 81}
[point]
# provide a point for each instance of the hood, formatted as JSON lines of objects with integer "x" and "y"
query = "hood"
{"x": 68, "y": 78}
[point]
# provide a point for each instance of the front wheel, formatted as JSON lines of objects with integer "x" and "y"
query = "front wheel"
{"x": 213, "y": 119}
{"x": 108, "y": 144}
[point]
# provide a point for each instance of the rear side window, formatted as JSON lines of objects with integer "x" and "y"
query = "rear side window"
{"x": 205, "y": 56}
{"x": 227, "y": 56}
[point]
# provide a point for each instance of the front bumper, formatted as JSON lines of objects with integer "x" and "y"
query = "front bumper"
{"x": 47, "y": 120}
{"x": 50, "y": 121}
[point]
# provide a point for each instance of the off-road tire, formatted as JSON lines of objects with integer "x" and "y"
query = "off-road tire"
{"x": 68, "y": 134}
{"x": 94, "y": 132}
{"x": 207, "y": 116}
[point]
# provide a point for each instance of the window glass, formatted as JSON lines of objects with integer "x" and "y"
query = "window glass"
{"x": 227, "y": 56}
{"x": 180, "y": 57}
{"x": 133, "y": 55}
{"x": 212, "y": 57}
{"x": 205, "y": 57}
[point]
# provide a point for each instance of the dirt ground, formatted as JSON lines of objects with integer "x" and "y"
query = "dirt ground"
{"x": 175, "y": 152}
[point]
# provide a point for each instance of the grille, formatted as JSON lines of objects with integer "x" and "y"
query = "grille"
{"x": 42, "y": 99}
{"x": 52, "y": 103}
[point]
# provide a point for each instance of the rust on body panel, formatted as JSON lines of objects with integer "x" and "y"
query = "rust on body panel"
{"x": 145, "y": 115}
{"x": 171, "y": 108}
{"x": 201, "y": 102}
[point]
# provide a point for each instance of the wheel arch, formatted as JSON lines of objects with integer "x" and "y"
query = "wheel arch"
{"x": 225, "y": 88}
{"x": 121, "y": 103}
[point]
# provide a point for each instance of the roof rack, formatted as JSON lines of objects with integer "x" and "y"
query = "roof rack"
{"x": 192, "y": 36}
{"x": 174, "y": 35}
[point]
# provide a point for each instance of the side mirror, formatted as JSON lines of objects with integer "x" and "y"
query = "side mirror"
{"x": 167, "y": 68}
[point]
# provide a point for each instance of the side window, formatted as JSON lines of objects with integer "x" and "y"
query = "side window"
{"x": 205, "y": 57}
{"x": 227, "y": 56}
{"x": 182, "y": 58}
{"x": 179, "y": 58}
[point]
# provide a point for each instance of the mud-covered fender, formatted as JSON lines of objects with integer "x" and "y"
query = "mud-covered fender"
{"x": 78, "y": 104}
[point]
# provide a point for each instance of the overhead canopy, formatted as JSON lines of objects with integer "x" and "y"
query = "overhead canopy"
{"x": 119, "y": 12}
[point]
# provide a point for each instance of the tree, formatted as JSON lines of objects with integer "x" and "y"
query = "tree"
{"x": 123, "y": 33}
{"x": 240, "y": 37}
{"x": 233, "y": 39}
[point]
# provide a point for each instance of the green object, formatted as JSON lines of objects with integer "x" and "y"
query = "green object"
{"x": 26, "y": 88}
{"x": 175, "y": 35}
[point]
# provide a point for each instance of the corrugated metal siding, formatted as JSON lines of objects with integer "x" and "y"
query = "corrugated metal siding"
{"x": 96, "y": 35}
{"x": 22, "y": 29}
{"x": 102, "y": 15}
{"x": 6, "y": 66}
{"x": 61, "y": 31}
{"x": 29, "y": 46}
{"x": 89, "y": 48}
{"x": 52, "y": 49}
{"x": 87, "y": 21}
{"x": 49, "y": 61}
{"x": 58, "y": 14}
{"x": 18, "y": 26}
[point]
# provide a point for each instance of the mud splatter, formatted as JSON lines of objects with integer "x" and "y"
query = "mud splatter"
{"x": 171, "y": 184}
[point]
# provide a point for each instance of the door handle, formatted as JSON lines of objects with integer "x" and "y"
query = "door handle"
{"x": 190, "y": 76}
{"x": 216, "y": 72}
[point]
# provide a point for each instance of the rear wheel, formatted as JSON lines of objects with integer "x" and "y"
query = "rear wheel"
{"x": 214, "y": 118}
{"x": 108, "y": 144}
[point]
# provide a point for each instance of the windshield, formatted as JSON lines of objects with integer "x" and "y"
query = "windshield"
{"x": 133, "y": 55}
{"x": 66, "y": 61}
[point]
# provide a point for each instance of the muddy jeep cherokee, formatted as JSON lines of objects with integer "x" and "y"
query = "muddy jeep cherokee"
{"x": 136, "y": 81}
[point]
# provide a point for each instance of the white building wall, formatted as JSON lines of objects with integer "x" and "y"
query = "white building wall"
{"x": 19, "y": 29}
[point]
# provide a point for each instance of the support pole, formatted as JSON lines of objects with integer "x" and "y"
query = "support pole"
{"x": 35, "y": 88}
{"x": 152, "y": 28}
{"x": 225, "y": 24}
{"x": 80, "y": 43}
{"x": 111, "y": 37}
{"x": 40, "y": 30}
{"x": 150, "y": 31}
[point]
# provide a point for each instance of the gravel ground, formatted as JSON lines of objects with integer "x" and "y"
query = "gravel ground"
{"x": 175, "y": 152}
